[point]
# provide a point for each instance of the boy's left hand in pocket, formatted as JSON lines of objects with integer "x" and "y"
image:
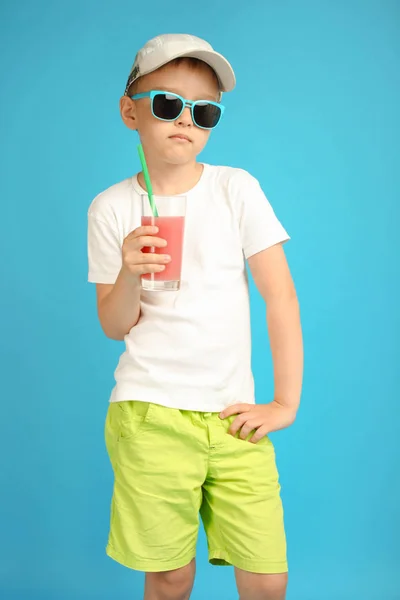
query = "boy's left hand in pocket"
{"x": 263, "y": 418}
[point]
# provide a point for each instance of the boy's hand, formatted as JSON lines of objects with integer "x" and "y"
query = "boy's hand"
{"x": 264, "y": 418}
{"x": 135, "y": 261}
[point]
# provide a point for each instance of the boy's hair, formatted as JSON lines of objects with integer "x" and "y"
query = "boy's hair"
{"x": 193, "y": 63}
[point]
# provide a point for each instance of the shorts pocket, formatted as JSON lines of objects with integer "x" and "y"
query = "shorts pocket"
{"x": 131, "y": 417}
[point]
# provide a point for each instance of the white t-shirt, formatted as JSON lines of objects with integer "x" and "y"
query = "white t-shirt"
{"x": 191, "y": 349}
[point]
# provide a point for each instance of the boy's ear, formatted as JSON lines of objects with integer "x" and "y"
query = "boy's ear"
{"x": 127, "y": 109}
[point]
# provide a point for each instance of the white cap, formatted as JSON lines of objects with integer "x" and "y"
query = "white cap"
{"x": 162, "y": 49}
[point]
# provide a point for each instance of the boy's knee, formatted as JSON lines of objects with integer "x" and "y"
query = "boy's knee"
{"x": 171, "y": 585}
{"x": 253, "y": 586}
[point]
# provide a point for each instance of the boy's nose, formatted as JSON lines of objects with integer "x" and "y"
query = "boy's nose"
{"x": 186, "y": 117}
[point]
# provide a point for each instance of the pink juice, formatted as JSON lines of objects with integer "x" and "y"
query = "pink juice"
{"x": 170, "y": 229}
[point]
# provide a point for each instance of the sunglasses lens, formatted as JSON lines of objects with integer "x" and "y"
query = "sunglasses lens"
{"x": 207, "y": 115}
{"x": 166, "y": 106}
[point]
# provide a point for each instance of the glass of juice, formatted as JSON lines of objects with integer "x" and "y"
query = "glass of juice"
{"x": 171, "y": 224}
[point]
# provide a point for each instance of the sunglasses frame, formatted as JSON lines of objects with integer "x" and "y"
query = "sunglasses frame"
{"x": 185, "y": 103}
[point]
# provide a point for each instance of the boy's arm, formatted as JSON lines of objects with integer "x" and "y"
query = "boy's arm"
{"x": 272, "y": 277}
{"x": 118, "y": 305}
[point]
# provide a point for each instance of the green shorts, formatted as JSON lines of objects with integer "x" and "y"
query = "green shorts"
{"x": 170, "y": 466}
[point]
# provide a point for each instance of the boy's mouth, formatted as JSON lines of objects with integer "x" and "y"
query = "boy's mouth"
{"x": 180, "y": 137}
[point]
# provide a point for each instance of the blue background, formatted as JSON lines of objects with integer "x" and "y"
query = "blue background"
{"x": 315, "y": 116}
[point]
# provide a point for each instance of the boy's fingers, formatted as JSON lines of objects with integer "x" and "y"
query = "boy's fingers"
{"x": 148, "y": 241}
{"x": 144, "y": 269}
{"x": 259, "y": 434}
{"x": 237, "y": 424}
{"x": 235, "y": 410}
{"x": 140, "y": 261}
{"x": 152, "y": 259}
{"x": 144, "y": 230}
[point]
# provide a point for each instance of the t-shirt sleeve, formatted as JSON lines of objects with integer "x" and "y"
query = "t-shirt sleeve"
{"x": 259, "y": 226}
{"x": 104, "y": 251}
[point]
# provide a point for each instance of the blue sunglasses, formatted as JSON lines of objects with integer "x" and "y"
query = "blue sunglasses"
{"x": 167, "y": 106}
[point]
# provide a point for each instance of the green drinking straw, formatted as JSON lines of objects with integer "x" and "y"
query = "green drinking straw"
{"x": 147, "y": 180}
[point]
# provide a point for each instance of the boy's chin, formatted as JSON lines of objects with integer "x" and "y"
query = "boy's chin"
{"x": 179, "y": 160}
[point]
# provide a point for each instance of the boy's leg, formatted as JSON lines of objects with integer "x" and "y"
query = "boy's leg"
{"x": 243, "y": 514}
{"x": 170, "y": 585}
{"x": 256, "y": 586}
{"x": 159, "y": 467}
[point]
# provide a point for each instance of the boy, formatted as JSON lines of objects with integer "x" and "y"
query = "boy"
{"x": 183, "y": 432}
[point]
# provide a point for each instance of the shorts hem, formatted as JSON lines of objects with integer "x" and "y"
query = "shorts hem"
{"x": 225, "y": 558}
{"x": 148, "y": 566}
